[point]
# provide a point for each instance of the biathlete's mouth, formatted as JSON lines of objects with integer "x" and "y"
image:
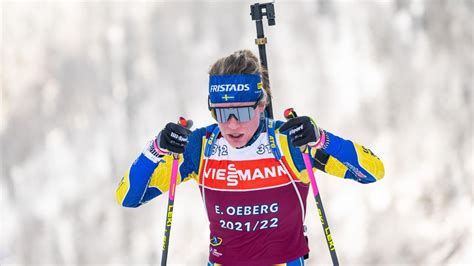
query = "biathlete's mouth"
{"x": 235, "y": 136}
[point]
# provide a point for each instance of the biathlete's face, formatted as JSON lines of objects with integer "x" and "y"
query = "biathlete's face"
{"x": 238, "y": 122}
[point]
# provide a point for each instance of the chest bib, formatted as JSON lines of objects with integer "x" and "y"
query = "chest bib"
{"x": 253, "y": 207}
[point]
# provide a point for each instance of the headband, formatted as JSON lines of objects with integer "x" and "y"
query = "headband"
{"x": 235, "y": 88}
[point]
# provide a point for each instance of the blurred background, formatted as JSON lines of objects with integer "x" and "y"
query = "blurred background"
{"x": 85, "y": 85}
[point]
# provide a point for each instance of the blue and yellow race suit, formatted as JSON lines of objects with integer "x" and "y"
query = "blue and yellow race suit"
{"x": 255, "y": 196}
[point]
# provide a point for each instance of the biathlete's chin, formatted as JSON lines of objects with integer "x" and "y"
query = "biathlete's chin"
{"x": 236, "y": 140}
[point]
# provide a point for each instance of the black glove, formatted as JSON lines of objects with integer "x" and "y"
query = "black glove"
{"x": 173, "y": 138}
{"x": 302, "y": 131}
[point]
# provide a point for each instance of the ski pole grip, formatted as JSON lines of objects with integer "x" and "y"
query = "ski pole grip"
{"x": 289, "y": 113}
{"x": 185, "y": 123}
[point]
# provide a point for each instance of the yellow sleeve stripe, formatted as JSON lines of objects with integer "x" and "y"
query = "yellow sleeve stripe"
{"x": 303, "y": 176}
{"x": 369, "y": 161}
{"x": 123, "y": 188}
{"x": 161, "y": 177}
{"x": 193, "y": 175}
{"x": 201, "y": 161}
{"x": 312, "y": 152}
{"x": 335, "y": 167}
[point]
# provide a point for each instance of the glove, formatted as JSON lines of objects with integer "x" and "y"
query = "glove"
{"x": 303, "y": 131}
{"x": 173, "y": 138}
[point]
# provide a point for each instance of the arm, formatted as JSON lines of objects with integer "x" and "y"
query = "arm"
{"x": 134, "y": 184}
{"x": 344, "y": 158}
{"x": 332, "y": 154}
{"x": 149, "y": 176}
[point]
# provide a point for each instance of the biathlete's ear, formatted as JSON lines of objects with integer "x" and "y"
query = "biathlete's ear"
{"x": 213, "y": 114}
{"x": 261, "y": 106}
{"x": 264, "y": 101}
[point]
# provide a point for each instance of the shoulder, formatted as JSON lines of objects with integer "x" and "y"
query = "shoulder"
{"x": 193, "y": 149}
{"x": 277, "y": 124}
{"x": 199, "y": 133}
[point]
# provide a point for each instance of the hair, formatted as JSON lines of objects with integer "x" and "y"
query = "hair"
{"x": 242, "y": 62}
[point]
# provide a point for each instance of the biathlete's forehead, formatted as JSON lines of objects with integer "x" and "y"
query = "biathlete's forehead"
{"x": 229, "y": 105}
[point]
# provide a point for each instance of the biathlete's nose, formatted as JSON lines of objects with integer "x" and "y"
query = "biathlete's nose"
{"x": 233, "y": 123}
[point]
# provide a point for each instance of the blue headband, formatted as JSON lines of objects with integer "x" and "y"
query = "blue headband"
{"x": 235, "y": 88}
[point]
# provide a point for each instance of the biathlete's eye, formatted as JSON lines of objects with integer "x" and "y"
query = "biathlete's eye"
{"x": 242, "y": 114}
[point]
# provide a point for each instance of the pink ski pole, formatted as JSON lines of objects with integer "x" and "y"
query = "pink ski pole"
{"x": 169, "y": 213}
{"x": 290, "y": 113}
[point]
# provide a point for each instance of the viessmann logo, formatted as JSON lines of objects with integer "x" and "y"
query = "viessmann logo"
{"x": 245, "y": 174}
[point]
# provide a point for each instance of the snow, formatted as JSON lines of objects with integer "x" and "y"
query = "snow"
{"x": 86, "y": 84}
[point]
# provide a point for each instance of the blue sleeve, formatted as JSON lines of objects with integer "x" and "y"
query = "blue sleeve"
{"x": 133, "y": 185}
{"x": 359, "y": 163}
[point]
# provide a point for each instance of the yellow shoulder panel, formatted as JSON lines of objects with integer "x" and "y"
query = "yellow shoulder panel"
{"x": 303, "y": 176}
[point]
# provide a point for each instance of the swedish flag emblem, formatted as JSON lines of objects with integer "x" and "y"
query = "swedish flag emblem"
{"x": 227, "y": 97}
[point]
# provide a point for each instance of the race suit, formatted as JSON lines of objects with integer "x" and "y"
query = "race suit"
{"x": 255, "y": 196}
